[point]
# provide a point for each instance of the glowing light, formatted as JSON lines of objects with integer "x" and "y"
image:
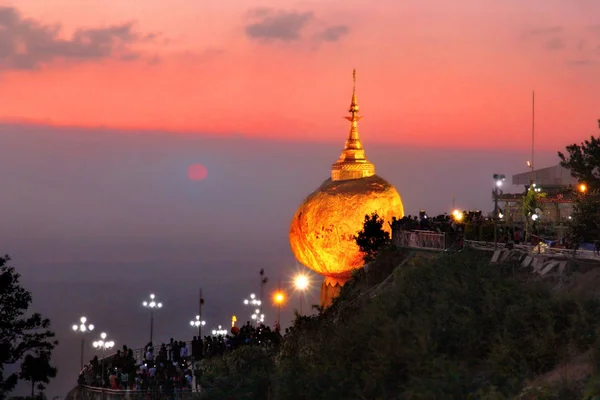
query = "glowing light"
{"x": 582, "y": 187}
{"x": 197, "y": 172}
{"x": 278, "y": 297}
{"x": 82, "y": 326}
{"x": 197, "y": 322}
{"x": 301, "y": 282}
{"x": 458, "y": 215}
{"x": 152, "y": 303}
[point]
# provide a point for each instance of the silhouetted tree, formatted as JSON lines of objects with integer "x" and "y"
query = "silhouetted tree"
{"x": 583, "y": 161}
{"x": 20, "y": 335}
{"x": 37, "y": 369}
{"x": 372, "y": 237}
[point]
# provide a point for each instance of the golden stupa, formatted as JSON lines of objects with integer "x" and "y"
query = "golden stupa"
{"x": 324, "y": 226}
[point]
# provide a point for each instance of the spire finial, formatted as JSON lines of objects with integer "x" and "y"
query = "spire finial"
{"x": 354, "y": 103}
{"x": 352, "y": 164}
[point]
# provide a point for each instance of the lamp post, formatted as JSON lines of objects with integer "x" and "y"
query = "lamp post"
{"x": 263, "y": 282}
{"x": 301, "y": 283}
{"x": 152, "y": 305}
{"x": 199, "y": 316}
{"x": 219, "y": 332}
{"x": 253, "y": 302}
{"x": 498, "y": 178}
{"x": 83, "y": 328}
{"x": 103, "y": 345}
{"x": 278, "y": 299}
{"x": 198, "y": 323}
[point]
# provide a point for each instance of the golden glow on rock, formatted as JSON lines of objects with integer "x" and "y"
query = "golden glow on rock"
{"x": 323, "y": 228}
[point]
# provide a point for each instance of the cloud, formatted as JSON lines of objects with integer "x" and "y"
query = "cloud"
{"x": 333, "y": 33}
{"x": 270, "y": 25}
{"x": 551, "y": 30}
{"x": 26, "y": 44}
{"x": 582, "y": 63}
{"x": 555, "y": 44}
{"x": 285, "y": 26}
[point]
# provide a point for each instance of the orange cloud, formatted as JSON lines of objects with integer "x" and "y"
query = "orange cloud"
{"x": 27, "y": 44}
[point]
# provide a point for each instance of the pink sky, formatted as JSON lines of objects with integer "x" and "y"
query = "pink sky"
{"x": 429, "y": 71}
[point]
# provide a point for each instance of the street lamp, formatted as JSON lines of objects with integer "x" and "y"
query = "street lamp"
{"x": 197, "y": 323}
{"x": 257, "y": 316}
{"x": 499, "y": 179}
{"x": 219, "y": 332}
{"x": 458, "y": 215}
{"x": 83, "y": 328}
{"x": 253, "y": 302}
{"x": 278, "y": 299}
{"x": 301, "y": 283}
{"x": 263, "y": 282}
{"x": 582, "y": 188}
{"x": 103, "y": 345}
{"x": 152, "y": 304}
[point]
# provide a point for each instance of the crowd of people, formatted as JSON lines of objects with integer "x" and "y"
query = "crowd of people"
{"x": 170, "y": 367}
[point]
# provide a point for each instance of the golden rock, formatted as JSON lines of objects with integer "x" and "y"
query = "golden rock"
{"x": 323, "y": 230}
{"x": 324, "y": 226}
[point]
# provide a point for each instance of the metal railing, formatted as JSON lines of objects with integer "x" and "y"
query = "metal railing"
{"x": 85, "y": 392}
{"x": 420, "y": 239}
{"x": 138, "y": 355}
{"x": 537, "y": 249}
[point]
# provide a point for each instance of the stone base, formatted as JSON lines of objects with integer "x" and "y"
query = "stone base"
{"x": 330, "y": 289}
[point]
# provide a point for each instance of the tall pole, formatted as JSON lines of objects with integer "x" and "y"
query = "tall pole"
{"x": 151, "y": 325}
{"x": 263, "y": 281}
{"x": 82, "y": 344}
{"x": 200, "y": 304}
{"x": 532, "y": 133}
{"x": 496, "y": 216}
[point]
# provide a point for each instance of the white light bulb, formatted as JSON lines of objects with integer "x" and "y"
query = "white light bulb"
{"x": 83, "y": 319}
{"x": 91, "y": 327}
{"x": 152, "y": 296}
{"x": 75, "y": 327}
{"x": 82, "y": 328}
{"x": 103, "y": 335}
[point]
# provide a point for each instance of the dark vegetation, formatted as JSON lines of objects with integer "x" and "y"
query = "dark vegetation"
{"x": 424, "y": 327}
{"x": 25, "y": 338}
{"x": 583, "y": 160}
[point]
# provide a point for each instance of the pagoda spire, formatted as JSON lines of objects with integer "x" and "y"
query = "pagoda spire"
{"x": 352, "y": 164}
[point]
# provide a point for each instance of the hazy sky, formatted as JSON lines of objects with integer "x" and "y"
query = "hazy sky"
{"x": 97, "y": 218}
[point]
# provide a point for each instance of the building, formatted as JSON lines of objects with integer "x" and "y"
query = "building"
{"x": 556, "y": 182}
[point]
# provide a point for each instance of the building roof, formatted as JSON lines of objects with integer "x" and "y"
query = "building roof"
{"x": 546, "y": 177}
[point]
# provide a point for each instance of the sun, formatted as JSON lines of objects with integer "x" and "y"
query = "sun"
{"x": 197, "y": 172}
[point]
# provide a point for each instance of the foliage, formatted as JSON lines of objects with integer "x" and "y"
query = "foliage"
{"x": 585, "y": 219}
{"x": 20, "y": 335}
{"x": 37, "y": 369}
{"x": 372, "y": 237}
{"x": 445, "y": 327}
{"x": 583, "y": 160}
{"x": 243, "y": 374}
{"x": 448, "y": 328}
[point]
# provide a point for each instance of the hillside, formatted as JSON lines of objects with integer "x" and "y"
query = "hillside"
{"x": 425, "y": 326}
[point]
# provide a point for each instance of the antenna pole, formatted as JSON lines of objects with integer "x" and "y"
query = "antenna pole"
{"x": 532, "y": 134}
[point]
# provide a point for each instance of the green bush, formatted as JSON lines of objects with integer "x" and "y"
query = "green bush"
{"x": 452, "y": 327}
